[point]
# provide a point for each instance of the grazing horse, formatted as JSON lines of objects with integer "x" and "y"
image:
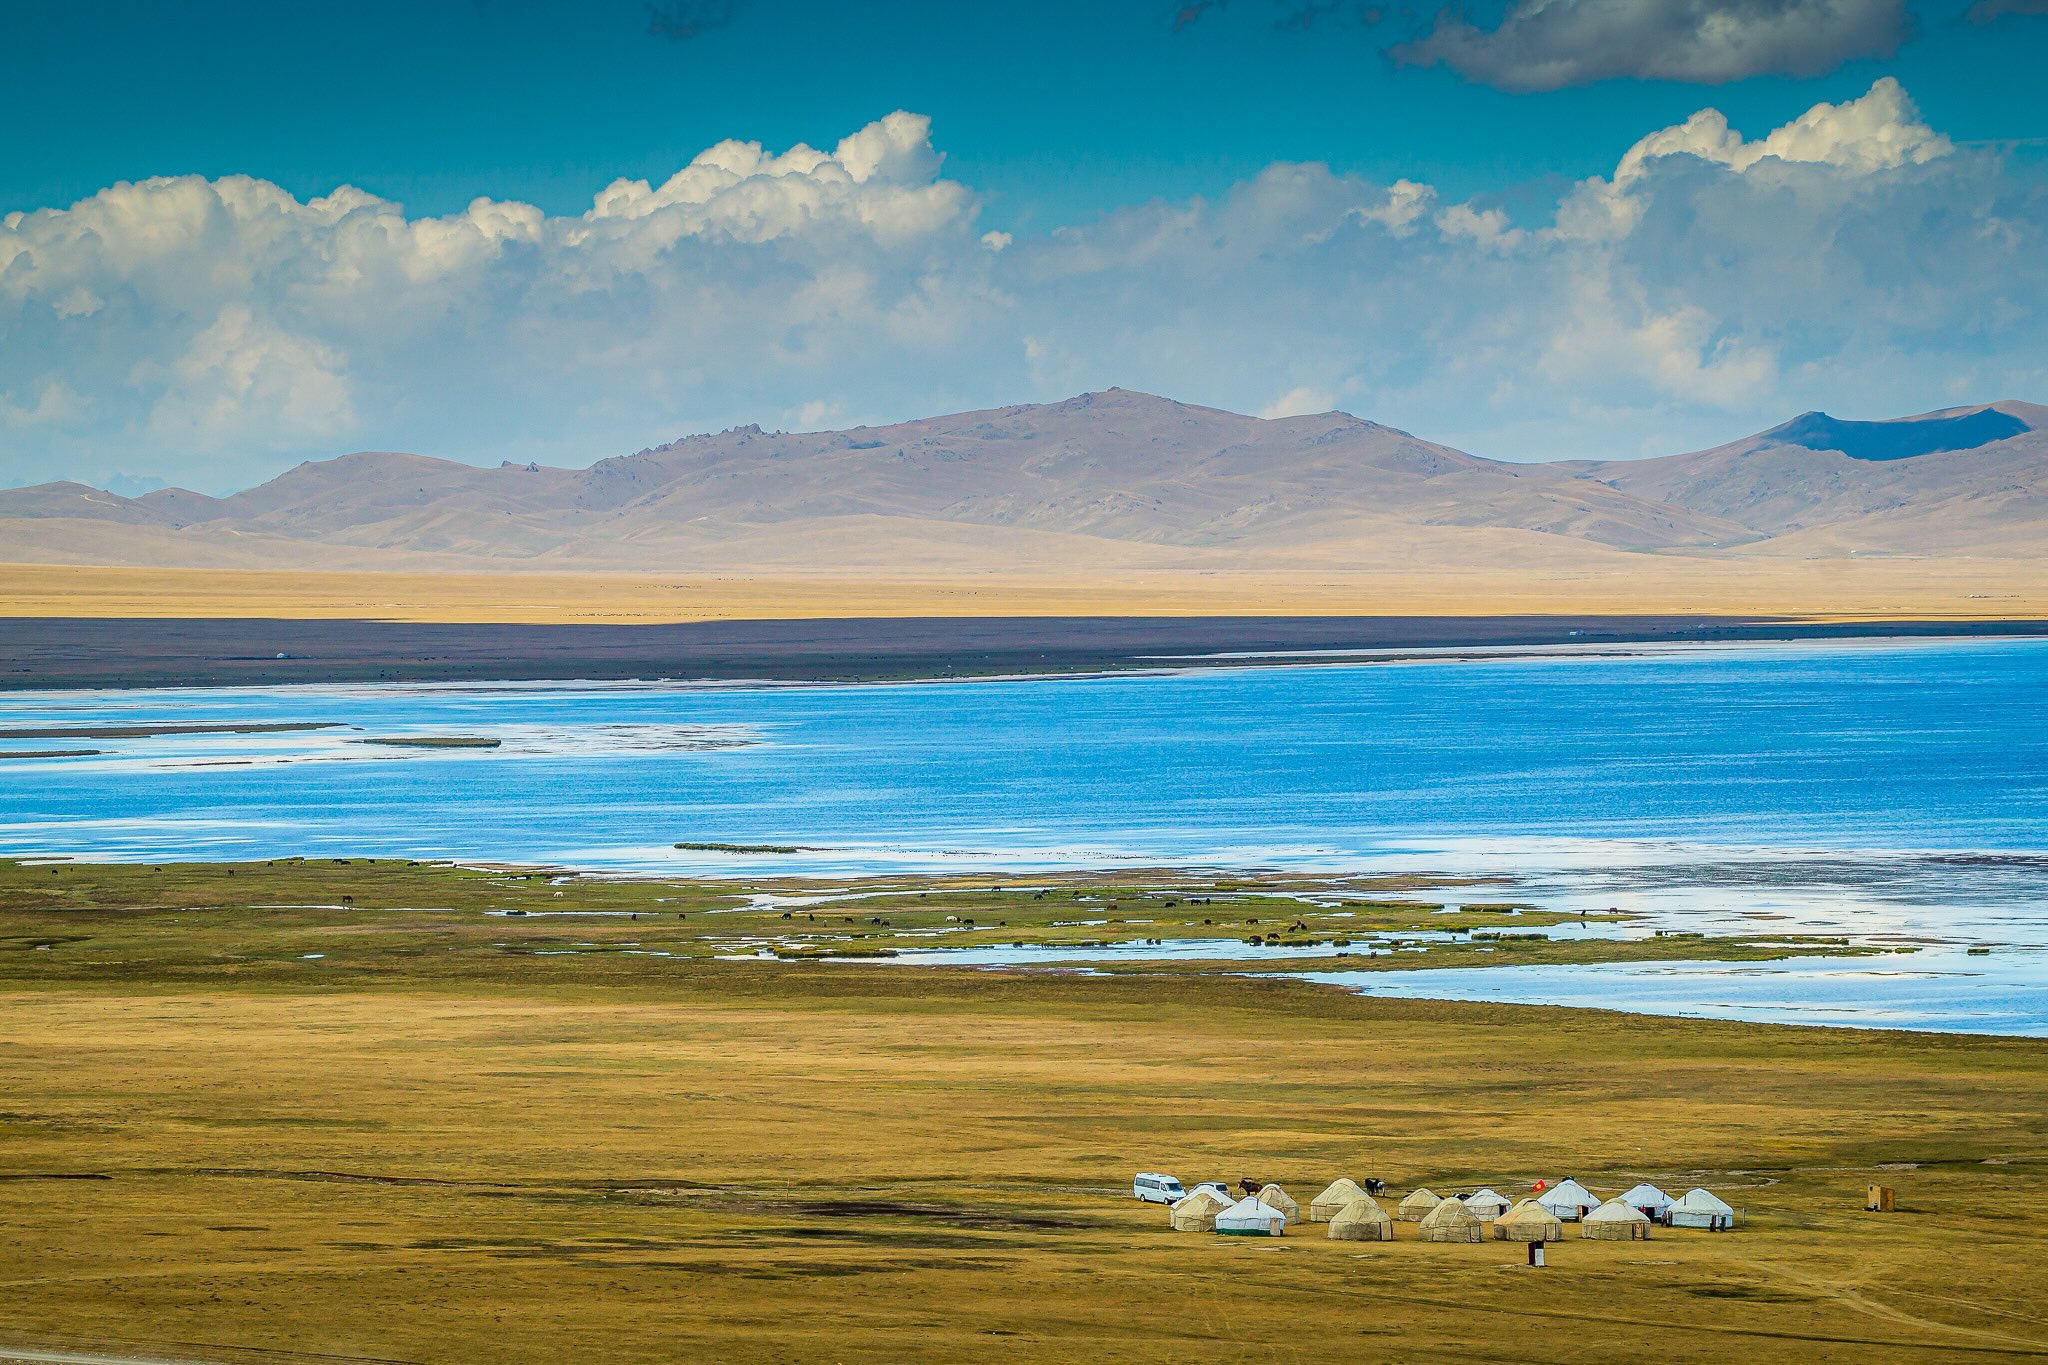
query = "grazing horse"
{"x": 1251, "y": 1187}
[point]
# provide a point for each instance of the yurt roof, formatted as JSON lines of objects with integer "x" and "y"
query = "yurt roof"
{"x": 1205, "y": 1196}
{"x": 1342, "y": 1191}
{"x": 1277, "y": 1197}
{"x": 1700, "y": 1201}
{"x": 1364, "y": 1209}
{"x": 1647, "y": 1196}
{"x": 1617, "y": 1210}
{"x": 1425, "y": 1192}
{"x": 1568, "y": 1190}
{"x": 1528, "y": 1211}
{"x": 1450, "y": 1211}
{"x": 1487, "y": 1197}
{"x": 1250, "y": 1209}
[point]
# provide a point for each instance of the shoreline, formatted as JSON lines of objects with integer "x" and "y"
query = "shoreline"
{"x": 1385, "y": 938}
{"x": 63, "y": 654}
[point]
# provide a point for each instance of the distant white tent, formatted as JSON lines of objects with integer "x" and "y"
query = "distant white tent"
{"x": 1331, "y": 1202}
{"x": 1569, "y": 1200}
{"x": 1274, "y": 1197}
{"x": 1197, "y": 1212}
{"x": 1250, "y": 1218}
{"x": 1451, "y": 1221}
{"x": 1649, "y": 1199}
{"x": 1701, "y": 1209}
{"x": 1617, "y": 1220}
{"x": 1486, "y": 1205}
{"x": 1417, "y": 1205}
{"x": 1528, "y": 1221}
{"x": 1362, "y": 1220}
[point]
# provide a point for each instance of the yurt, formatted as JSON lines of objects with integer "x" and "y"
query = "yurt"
{"x": 1701, "y": 1209}
{"x": 1331, "y": 1202}
{"x": 1486, "y": 1205}
{"x": 1528, "y": 1221}
{"x": 1617, "y": 1220}
{"x": 1569, "y": 1200}
{"x": 1451, "y": 1221}
{"x": 1362, "y": 1220}
{"x": 1250, "y": 1218}
{"x": 1416, "y": 1206}
{"x": 1197, "y": 1212}
{"x": 1652, "y": 1201}
{"x": 1272, "y": 1196}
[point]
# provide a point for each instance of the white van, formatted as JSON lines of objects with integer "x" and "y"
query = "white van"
{"x": 1155, "y": 1188}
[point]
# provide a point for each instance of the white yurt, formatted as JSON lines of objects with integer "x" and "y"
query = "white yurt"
{"x": 1617, "y": 1220}
{"x": 1362, "y": 1220}
{"x": 1569, "y": 1200}
{"x": 1249, "y": 1218}
{"x": 1651, "y": 1200}
{"x": 1416, "y": 1206}
{"x": 1701, "y": 1209}
{"x": 1486, "y": 1205}
{"x": 1451, "y": 1221}
{"x": 1274, "y": 1197}
{"x": 1331, "y": 1202}
{"x": 1528, "y": 1221}
{"x": 1197, "y": 1212}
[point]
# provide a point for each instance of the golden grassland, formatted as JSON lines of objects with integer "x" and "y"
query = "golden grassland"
{"x": 418, "y": 1147}
{"x": 1610, "y": 583}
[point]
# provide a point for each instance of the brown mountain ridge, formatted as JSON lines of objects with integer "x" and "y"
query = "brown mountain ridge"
{"x": 1117, "y": 479}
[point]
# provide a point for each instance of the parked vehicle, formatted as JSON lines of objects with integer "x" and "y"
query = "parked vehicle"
{"x": 1155, "y": 1188}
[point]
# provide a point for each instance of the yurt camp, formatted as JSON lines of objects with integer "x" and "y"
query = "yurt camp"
{"x": 1569, "y": 1200}
{"x": 1362, "y": 1220}
{"x": 1197, "y": 1212}
{"x": 1617, "y": 1220}
{"x": 1528, "y": 1221}
{"x": 1652, "y": 1201}
{"x": 1700, "y": 1209}
{"x": 1250, "y": 1218}
{"x": 1272, "y": 1196}
{"x": 1331, "y": 1202}
{"x": 1487, "y": 1205}
{"x": 1416, "y": 1206}
{"x": 1451, "y": 1221}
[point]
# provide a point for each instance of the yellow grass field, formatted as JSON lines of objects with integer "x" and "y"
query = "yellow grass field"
{"x": 414, "y": 1145}
{"x": 1610, "y": 583}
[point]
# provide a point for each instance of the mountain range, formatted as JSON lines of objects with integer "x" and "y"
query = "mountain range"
{"x": 1116, "y": 479}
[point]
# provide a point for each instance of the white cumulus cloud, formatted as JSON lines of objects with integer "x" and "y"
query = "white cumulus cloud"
{"x": 1714, "y": 280}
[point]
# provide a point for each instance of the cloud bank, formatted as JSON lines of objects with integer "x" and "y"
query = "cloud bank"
{"x": 1552, "y": 44}
{"x": 213, "y": 331}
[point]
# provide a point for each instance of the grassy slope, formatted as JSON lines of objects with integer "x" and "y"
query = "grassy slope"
{"x": 406, "y": 1152}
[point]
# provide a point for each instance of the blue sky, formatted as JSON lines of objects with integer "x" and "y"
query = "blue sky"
{"x": 1106, "y": 193}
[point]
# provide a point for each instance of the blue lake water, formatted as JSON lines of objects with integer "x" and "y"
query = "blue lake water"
{"x": 1892, "y": 791}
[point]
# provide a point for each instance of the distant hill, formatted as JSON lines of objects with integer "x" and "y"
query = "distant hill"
{"x": 1116, "y": 479}
{"x": 1962, "y": 480}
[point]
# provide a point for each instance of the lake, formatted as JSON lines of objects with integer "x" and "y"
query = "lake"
{"x": 1893, "y": 791}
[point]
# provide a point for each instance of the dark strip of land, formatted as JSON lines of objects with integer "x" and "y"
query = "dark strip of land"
{"x": 78, "y": 652}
